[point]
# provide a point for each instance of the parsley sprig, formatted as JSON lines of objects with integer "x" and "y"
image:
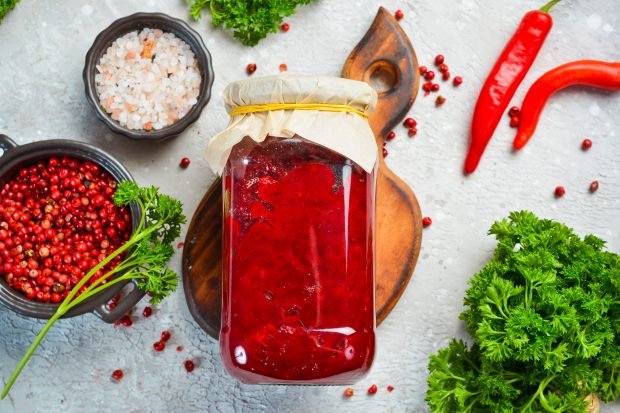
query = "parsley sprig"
{"x": 250, "y": 20}
{"x": 545, "y": 318}
{"x": 147, "y": 253}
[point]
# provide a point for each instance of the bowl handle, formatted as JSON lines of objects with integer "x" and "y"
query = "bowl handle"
{"x": 126, "y": 303}
{"x": 6, "y": 143}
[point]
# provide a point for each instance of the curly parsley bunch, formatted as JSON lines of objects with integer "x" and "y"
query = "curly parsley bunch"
{"x": 545, "y": 317}
{"x": 250, "y": 20}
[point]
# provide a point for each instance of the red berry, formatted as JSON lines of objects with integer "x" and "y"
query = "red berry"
{"x": 390, "y": 136}
{"x": 426, "y": 222}
{"x": 180, "y": 245}
{"x": 594, "y": 186}
{"x": 385, "y": 152}
{"x": 445, "y": 76}
{"x": 184, "y": 163}
{"x": 251, "y": 68}
{"x": 372, "y": 389}
{"x": 147, "y": 312}
{"x": 283, "y": 67}
{"x": 423, "y": 69}
{"x": 285, "y": 27}
{"x": 439, "y": 59}
{"x": 586, "y": 144}
{"x": 514, "y": 121}
{"x": 430, "y": 75}
{"x": 412, "y": 132}
{"x": 514, "y": 111}
{"x": 126, "y": 321}
{"x": 390, "y": 388}
{"x": 457, "y": 80}
{"x": 399, "y": 14}
{"x": 409, "y": 123}
{"x": 159, "y": 346}
{"x": 165, "y": 336}
{"x": 179, "y": 348}
{"x": 117, "y": 375}
{"x": 348, "y": 392}
{"x": 559, "y": 191}
{"x": 443, "y": 68}
{"x": 435, "y": 87}
{"x": 189, "y": 365}
{"x": 440, "y": 100}
{"x": 427, "y": 86}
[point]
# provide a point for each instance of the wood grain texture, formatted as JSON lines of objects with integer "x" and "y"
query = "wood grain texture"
{"x": 385, "y": 56}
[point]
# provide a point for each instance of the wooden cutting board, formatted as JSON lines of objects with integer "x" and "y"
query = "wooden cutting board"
{"x": 385, "y": 59}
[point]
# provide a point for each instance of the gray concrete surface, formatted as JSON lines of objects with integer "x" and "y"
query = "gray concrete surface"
{"x": 42, "y": 47}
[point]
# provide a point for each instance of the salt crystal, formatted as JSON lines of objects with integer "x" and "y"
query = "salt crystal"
{"x": 145, "y": 90}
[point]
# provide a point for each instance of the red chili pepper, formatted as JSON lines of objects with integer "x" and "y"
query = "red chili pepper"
{"x": 506, "y": 76}
{"x": 602, "y": 75}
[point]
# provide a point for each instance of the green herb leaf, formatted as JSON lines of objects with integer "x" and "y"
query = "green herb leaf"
{"x": 545, "y": 316}
{"x": 6, "y": 6}
{"x": 250, "y": 20}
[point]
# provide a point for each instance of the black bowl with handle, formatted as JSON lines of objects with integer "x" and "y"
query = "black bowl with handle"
{"x": 13, "y": 158}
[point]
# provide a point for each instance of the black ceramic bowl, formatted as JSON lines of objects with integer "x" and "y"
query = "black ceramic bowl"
{"x": 140, "y": 21}
{"x": 15, "y": 157}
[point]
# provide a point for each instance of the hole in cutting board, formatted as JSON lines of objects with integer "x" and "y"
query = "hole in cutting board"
{"x": 382, "y": 76}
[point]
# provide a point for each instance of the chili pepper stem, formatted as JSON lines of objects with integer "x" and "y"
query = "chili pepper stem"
{"x": 547, "y": 7}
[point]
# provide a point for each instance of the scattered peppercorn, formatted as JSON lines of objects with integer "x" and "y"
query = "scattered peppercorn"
{"x": 439, "y": 59}
{"x": 159, "y": 346}
{"x": 390, "y": 389}
{"x": 399, "y": 14}
{"x": 180, "y": 245}
{"x": 179, "y": 348}
{"x": 117, "y": 375}
{"x": 390, "y": 136}
{"x": 559, "y": 191}
{"x": 514, "y": 121}
{"x": 586, "y": 144}
{"x": 445, "y": 75}
{"x": 435, "y": 87}
{"x": 184, "y": 163}
{"x": 443, "y": 68}
{"x": 372, "y": 389}
{"x": 126, "y": 321}
{"x": 189, "y": 365}
{"x": 283, "y": 67}
{"x": 457, "y": 80}
{"x": 251, "y": 68}
{"x": 594, "y": 186}
{"x": 412, "y": 132}
{"x": 147, "y": 311}
{"x": 385, "y": 153}
{"x": 440, "y": 100}
{"x": 514, "y": 111}
{"x": 427, "y": 222}
{"x": 165, "y": 336}
{"x": 430, "y": 75}
{"x": 427, "y": 86}
{"x": 285, "y": 27}
{"x": 423, "y": 69}
{"x": 348, "y": 392}
{"x": 409, "y": 123}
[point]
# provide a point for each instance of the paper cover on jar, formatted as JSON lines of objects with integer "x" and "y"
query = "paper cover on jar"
{"x": 342, "y": 130}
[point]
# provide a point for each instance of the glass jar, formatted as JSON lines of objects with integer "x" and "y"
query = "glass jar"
{"x": 298, "y": 262}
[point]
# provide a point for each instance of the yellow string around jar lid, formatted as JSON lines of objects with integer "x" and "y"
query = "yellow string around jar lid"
{"x": 268, "y": 107}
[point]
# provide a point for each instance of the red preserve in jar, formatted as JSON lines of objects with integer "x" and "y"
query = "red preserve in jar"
{"x": 298, "y": 253}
